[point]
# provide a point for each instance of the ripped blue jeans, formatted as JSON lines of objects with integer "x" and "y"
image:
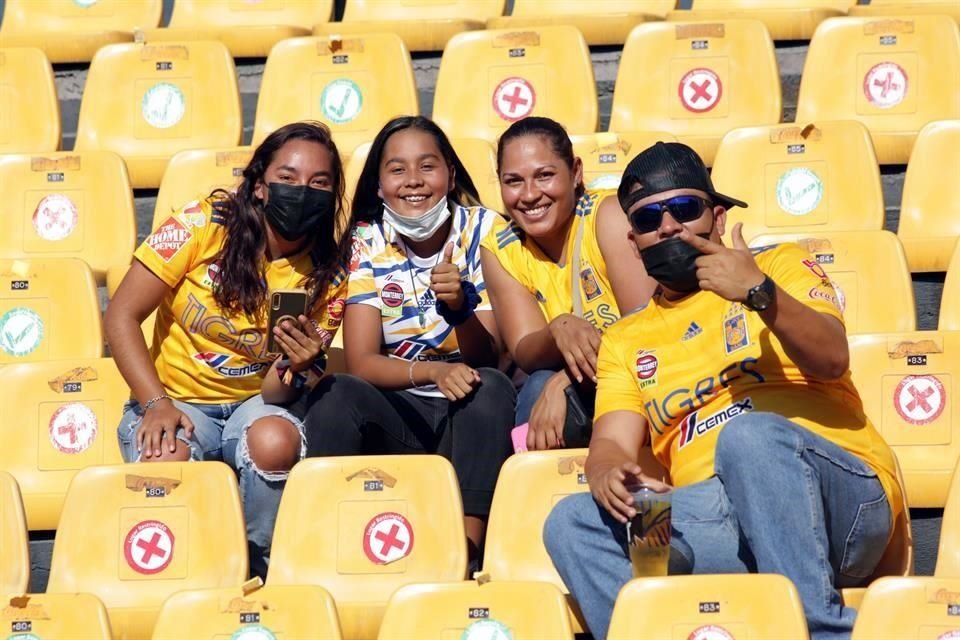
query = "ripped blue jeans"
{"x": 220, "y": 434}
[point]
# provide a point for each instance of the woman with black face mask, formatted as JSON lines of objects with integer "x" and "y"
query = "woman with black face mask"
{"x": 207, "y": 271}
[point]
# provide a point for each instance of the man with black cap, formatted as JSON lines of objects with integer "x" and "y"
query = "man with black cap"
{"x": 737, "y": 370}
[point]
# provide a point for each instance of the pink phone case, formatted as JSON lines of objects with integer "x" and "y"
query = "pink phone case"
{"x": 519, "y": 437}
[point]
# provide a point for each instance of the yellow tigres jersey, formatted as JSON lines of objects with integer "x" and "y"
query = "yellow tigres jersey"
{"x": 551, "y": 283}
{"x": 202, "y": 355}
{"x": 691, "y": 365}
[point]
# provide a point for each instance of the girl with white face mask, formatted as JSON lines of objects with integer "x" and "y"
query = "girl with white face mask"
{"x": 420, "y": 339}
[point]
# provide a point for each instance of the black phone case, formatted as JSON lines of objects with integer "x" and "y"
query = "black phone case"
{"x": 284, "y": 305}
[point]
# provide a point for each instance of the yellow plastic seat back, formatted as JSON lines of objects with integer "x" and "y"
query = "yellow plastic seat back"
{"x": 49, "y": 310}
{"x": 801, "y": 178}
{"x": 948, "y": 555}
{"x": 894, "y": 75}
{"x": 784, "y": 19}
{"x": 907, "y": 8}
{"x": 914, "y": 607}
{"x": 248, "y": 29}
{"x": 709, "y": 606}
{"x": 480, "y": 159}
{"x": 490, "y": 79}
{"x": 930, "y": 223}
{"x": 73, "y": 31}
{"x": 147, "y": 102}
{"x": 602, "y": 22}
{"x": 869, "y": 272}
{"x": 14, "y": 552}
{"x": 950, "y": 299}
{"x": 68, "y": 205}
{"x": 55, "y": 615}
{"x": 353, "y": 84}
{"x": 423, "y": 25}
{"x": 291, "y": 611}
{"x": 60, "y": 417}
{"x": 906, "y": 382}
{"x": 29, "y": 111}
{"x": 471, "y": 610}
{"x": 195, "y": 173}
{"x": 388, "y": 521}
{"x": 700, "y": 80}
{"x": 133, "y": 534}
{"x": 605, "y": 155}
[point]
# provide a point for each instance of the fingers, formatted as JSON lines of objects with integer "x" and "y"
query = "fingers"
{"x": 572, "y": 365}
{"x": 582, "y": 363}
{"x": 737, "y": 235}
{"x": 448, "y": 253}
{"x": 701, "y": 244}
{"x": 187, "y": 425}
{"x": 613, "y": 490}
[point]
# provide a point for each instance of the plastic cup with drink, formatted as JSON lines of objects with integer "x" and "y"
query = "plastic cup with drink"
{"x": 648, "y": 532}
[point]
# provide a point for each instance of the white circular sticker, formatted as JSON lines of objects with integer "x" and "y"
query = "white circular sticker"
{"x": 710, "y": 632}
{"x": 920, "y": 399}
{"x": 55, "y": 217}
{"x": 514, "y": 98}
{"x": 341, "y": 101}
{"x": 85, "y": 4}
{"x": 700, "y": 90}
{"x": 799, "y": 191}
{"x": 885, "y": 85}
{"x": 487, "y": 630}
{"x": 73, "y": 428}
{"x": 163, "y": 105}
{"x": 253, "y": 632}
{"x": 953, "y": 634}
{"x": 609, "y": 181}
{"x": 21, "y": 331}
{"x": 388, "y": 537}
{"x": 148, "y": 547}
{"x": 841, "y": 296}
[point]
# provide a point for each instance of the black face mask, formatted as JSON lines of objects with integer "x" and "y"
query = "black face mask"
{"x": 295, "y": 211}
{"x": 672, "y": 264}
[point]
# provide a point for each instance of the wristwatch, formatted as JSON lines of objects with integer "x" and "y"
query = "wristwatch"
{"x": 760, "y": 297}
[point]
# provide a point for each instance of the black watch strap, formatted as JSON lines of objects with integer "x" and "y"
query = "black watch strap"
{"x": 760, "y": 297}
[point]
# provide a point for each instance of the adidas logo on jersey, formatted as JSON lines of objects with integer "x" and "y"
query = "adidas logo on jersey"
{"x": 692, "y": 331}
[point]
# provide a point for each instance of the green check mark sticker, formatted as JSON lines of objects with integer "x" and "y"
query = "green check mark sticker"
{"x": 341, "y": 101}
{"x": 21, "y": 331}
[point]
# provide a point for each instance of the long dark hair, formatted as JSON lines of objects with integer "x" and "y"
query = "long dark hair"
{"x": 548, "y": 129}
{"x": 367, "y": 205}
{"x": 242, "y": 287}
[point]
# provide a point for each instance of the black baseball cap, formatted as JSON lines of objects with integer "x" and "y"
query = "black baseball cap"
{"x": 666, "y": 166}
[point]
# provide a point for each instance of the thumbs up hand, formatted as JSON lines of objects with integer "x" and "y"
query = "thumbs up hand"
{"x": 730, "y": 272}
{"x": 445, "y": 280}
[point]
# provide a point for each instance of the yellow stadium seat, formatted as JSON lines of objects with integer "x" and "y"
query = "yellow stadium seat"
{"x": 948, "y": 555}
{"x": 893, "y": 75}
{"x": 906, "y": 383}
{"x": 801, "y": 179}
{"x": 147, "y": 102}
{"x": 68, "y": 205}
{"x": 73, "y": 31}
{"x": 49, "y": 310}
{"x": 388, "y": 521}
{"x": 869, "y": 271}
{"x": 29, "y": 111}
{"x": 784, "y": 19}
{"x": 60, "y": 417}
{"x": 133, "y": 534}
{"x": 194, "y": 174}
{"x": 907, "y": 8}
{"x": 709, "y": 606}
{"x": 930, "y": 223}
{"x": 55, "y": 615}
{"x": 14, "y": 551}
{"x": 352, "y": 84}
{"x": 249, "y": 29}
{"x": 915, "y": 607}
{"x": 250, "y": 611}
{"x": 605, "y": 155}
{"x": 602, "y": 22}
{"x": 423, "y": 25}
{"x": 490, "y": 79}
{"x": 471, "y": 610}
{"x": 699, "y": 80}
{"x": 529, "y": 486}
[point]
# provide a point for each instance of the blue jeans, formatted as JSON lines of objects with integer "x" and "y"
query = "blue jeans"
{"x": 220, "y": 434}
{"x": 783, "y": 500}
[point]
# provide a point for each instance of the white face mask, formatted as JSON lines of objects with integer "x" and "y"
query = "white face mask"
{"x": 423, "y": 226}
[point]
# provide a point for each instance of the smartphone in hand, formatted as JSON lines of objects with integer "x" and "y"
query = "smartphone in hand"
{"x": 285, "y": 304}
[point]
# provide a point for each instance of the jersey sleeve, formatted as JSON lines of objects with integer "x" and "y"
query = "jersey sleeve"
{"x": 361, "y": 286}
{"x": 617, "y": 388}
{"x": 800, "y": 275}
{"x": 173, "y": 248}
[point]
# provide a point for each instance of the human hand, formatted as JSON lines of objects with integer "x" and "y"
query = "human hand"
{"x": 161, "y": 421}
{"x": 729, "y": 272}
{"x": 445, "y": 281}
{"x": 611, "y": 489}
{"x": 455, "y": 380}
{"x": 578, "y": 342}
{"x": 300, "y": 344}
{"x": 548, "y": 415}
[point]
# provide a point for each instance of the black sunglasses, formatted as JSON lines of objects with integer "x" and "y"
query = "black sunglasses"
{"x": 683, "y": 209}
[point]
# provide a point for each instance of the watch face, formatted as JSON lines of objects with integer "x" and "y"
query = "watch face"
{"x": 761, "y": 296}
